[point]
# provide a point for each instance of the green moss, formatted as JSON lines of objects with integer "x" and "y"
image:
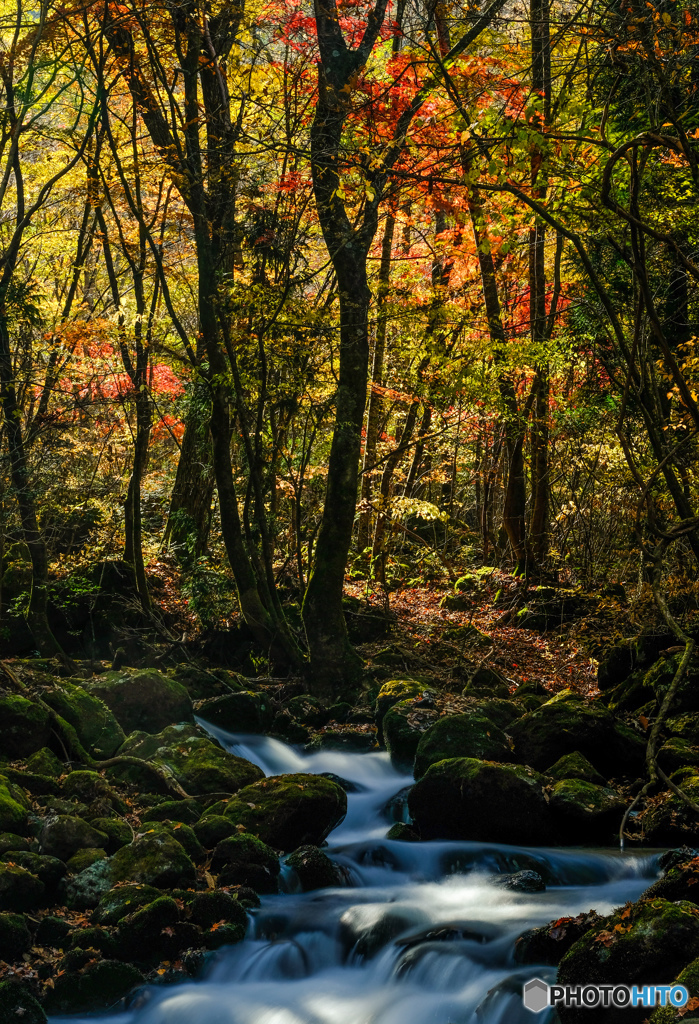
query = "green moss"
{"x": 460, "y": 736}
{"x": 314, "y": 869}
{"x": 84, "y": 859}
{"x": 143, "y": 699}
{"x": 25, "y": 727}
{"x": 119, "y": 833}
{"x": 98, "y": 986}
{"x": 97, "y": 728}
{"x": 16, "y": 1003}
{"x": 13, "y": 814}
{"x": 575, "y": 766}
{"x": 122, "y": 901}
{"x": 487, "y": 682}
{"x": 49, "y": 870}
{"x": 53, "y": 932}
{"x": 208, "y": 908}
{"x": 65, "y": 834}
{"x": 45, "y": 762}
{"x": 225, "y": 935}
{"x": 403, "y": 726}
{"x": 243, "y": 859}
{"x": 585, "y": 812}
{"x": 212, "y": 828}
{"x": 86, "y": 786}
{"x": 154, "y": 860}
{"x": 19, "y": 889}
{"x": 179, "y": 831}
{"x": 15, "y": 937}
{"x": 393, "y": 691}
{"x": 287, "y": 811}
{"x": 188, "y": 811}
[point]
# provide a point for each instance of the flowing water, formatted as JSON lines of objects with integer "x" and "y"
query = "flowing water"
{"x": 420, "y": 935}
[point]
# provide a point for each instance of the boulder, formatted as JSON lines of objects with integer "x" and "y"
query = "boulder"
{"x": 469, "y": 735}
{"x": 122, "y": 901}
{"x": 500, "y": 712}
{"x": 212, "y": 828}
{"x": 651, "y": 939}
{"x": 392, "y": 692}
{"x": 119, "y": 833}
{"x": 668, "y": 821}
{"x": 84, "y": 890}
{"x": 464, "y": 798}
{"x": 686, "y": 726}
{"x": 308, "y": 711}
{"x": 677, "y": 753}
{"x": 45, "y": 762}
{"x": 147, "y": 935}
{"x": 15, "y": 937}
{"x": 584, "y": 812}
{"x": 99, "y": 985}
{"x": 616, "y": 665}
{"x": 84, "y": 859}
{"x": 359, "y": 739}
{"x": 87, "y": 786}
{"x": 403, "y": 726}
{"x": 184, "y": 835}
{"x": 188, "y": 811}
{"x": 681, "y": 882}
{"x": 159, "y": 861}
{"x": 13, "y": 813}
{"x": 575, "y": 766}
{"x": 314, "y": 869}
{"x": 19, "y": 889}
{"x": 97, "y": 728}
{"x": 571, "y": 722}
{"x": 209, "y": 908}
{"x": 243, "y": 859}
{"x": 53, "y": 932}
{"x": 288, "y": 811}
{"x": 550, "y": 943}
{"x": 143, "y": 699}
{"x": 25, "y": 727}
{"x": 660, "y": 676}
{"x": 521, "y": 881}
{"x": 18, "y": 1004}
{"x": 49, "y": 870}
{"x": 403, "y": 832}
{"x": 237, "y": 712}
{"x": 63, "y": 835}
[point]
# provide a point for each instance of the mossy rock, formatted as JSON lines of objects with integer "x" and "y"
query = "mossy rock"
{"x": 18, "y": 1004}
{"x": 686, "y": 726}
{"x": 584, "y": 812}
{"x": 680, "y": 882}
{"x": 157, "y": 860}
{"x": 392, "y": 692}
{"x": 471, "y": 736}
{"x": 84, "y": 859}
{"x": 403, "y": 833}
{"x": 210, "y": 908}
{"x": 243, "y": 859}
{"x": 314, "y": 869}
{"x": 49, "y": 870}
{"x": 660, "y": 676}
{"x": 202, "y": 683}
{"x": 689, "y": 977}
{"x": 237, "y": 712}
{"x": 188, "y": 811}
{"x": 464, "y": 798}
{"x": 95, "y": 938}
{"x": 13, "y": 812}
{"x": 143, "y": 699}
{"x": 84, "y": 890}
{"x": 500, "y": 712}
{"x": 668, "y": 821}
{"x": 45, "y": 762}
{"x": 19, "y": 889}
{"x": 648, "y": 939}
{"x": 575, "y": 766}
{"x": 677, "y": 753}
{"x": 184, "y": 835}
{"x": 616, "y": 665}
{"x": 15, "y": 937}
{"x": 212, "y": 828}
{"x": 356, "y": 739}
{"x": 119, "y": 833}
{"x": 308, "y": 710}
{"x": 53, "y": 932}
{"x": 99, "y": 985}
{"x": 121, "y": 901}
{"x": 9, "y": 841}
{"x": 64, "y": 835}
{"x": 467, "y": 637}
{"x": 200, "y": 765}
{"x": 569, "y": 722}
{"x": 224, "y": 935}
{"x": 87, "y": 786}
{"x": 97, "y": 728}
{"x": 25, "y": 727}
{"x": 550, "y": 943}
{"x": 36, "y": 785}
{"x": 403, "y": 728}
{"x": 288, "y": 811}
{"x": 629, "y": 695}
{"x": 145, "y": 935}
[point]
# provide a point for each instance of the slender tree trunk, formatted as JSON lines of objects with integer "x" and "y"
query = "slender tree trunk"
{"x": 189, "y": 517}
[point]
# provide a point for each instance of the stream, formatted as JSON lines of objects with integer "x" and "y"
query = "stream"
{"x": 420, "y": 935}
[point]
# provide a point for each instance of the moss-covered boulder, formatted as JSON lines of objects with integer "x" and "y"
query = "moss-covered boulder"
{"x": 571, "y": 722}
{"x": 45, "y": 762}
{"x": 53, "y": 931}
{"x": 680, "y": 882}
{"x": 686, "y": 726}
{"x": 188, "y": 811}
{"x": 575, "y": 766}
{"x": 215, "y": 907}
{"x": 119, "y": 833}
{"x": 9, "y": 841}
{"x": 25, "y": 727}
{"x": 660, "y": 676}
{"x": 212, "y": 828}
{"x": 402, "y": 832}
{"x": 157, "y": 860}
{"x": 87, "y": 786}
{"x": 314, "y": 869}
{"x": 500, "y": 712}
{"x": 550, "y": 943}
{"x": 18, "y": 1004}
{"x": 403, "y": 728}
{"x": 200, "y": 765}
{"x": 584, "y": 812}
{"x": 13, "y": 810}
{"x": 15, "y": 937}
{"x": 243, "y": 859}
{"x": 309, "y": 711}
{"x": 392, "y": 692}
{"x": 84, "y": 859}
{"x": 461, "y": 736}
{"x": 97, "y": 728}
{"x": 64, "y": 834}
{"x": 668, "y": 821}
{"x": 84, "y": 890}
{"x": 288, "y": 811}
{"x": 464, "y": 798}
{"x": 20, "y": 890}
{"x": 143, "y": 699}
{"x": 237, "y": 712}
{"x": 649, "y": 939}
{"x": 99, "y": 985}
{"x": 49, "y": 870}
{"x": 146, "y": 935}
{"x": 184, "y": 835}
{"x": 121, "y": 901}
{"x": 677, "y": 753}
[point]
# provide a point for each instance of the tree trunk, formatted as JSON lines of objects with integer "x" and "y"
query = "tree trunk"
{"x": 189, "y": 518}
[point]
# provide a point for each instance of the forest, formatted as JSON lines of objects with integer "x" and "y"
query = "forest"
{"x": 349, "y": 420}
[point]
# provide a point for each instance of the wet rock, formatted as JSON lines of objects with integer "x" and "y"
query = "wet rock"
{"x": 19, "y": 889}
{"x": 392, "y": 692}
{"x": 18, "y": 1004}
{"x": 15, "y": 937}
{"x": 159, "y": 861}
{"x": 53, "y": 932}
{"x": 649, "y": 939}
{"x": 689, "y": 977}
{"x": 119, "y": 833}
{"x": 358, "y": 740}
{"x": 314, "y": 869}
{"x": 466, "y": 735}
{"x": 365, "y": 930}
{"x": 288, "y": 811}
{"x": 570, "y": 722}
{"x": 49, "y": 870}
{"x": 308, "y": 711}
{"x": 403, "y": 727}
{"x": 143, "y": 699}
{"x": 464, "y": 798}
{"x": 64, "y": 835}
{"x": 13, "y": 812}
{"x": 25, "y": 727}
{"x": 575, "y": 766}
{"x": 210, "y": 908}
{"x": 685, "y": 726}
{"x": 122, "y": 901}
{"x": 243, "y": 859}
{"x": 84, "y": 859}
{"x": 200, "y": 765}
{"x": 97, "y": 728}
{"x": 99, "y": 985}
{"x": 212, "y": 828}
{"x": 584, "y": 812}
{"x": 521, "y": 881}
{"x": 237, "y": 712}
{"x": 403, "y": 832}
{"x": 550, "y": 943}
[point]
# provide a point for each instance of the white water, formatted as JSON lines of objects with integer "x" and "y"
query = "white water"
{"x": 359, "y": 955}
